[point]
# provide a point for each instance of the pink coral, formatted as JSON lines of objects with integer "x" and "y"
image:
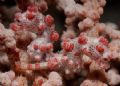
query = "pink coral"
{"x": 54, "y": 79}
{"x": 9, "y": 76}
{"x": 27, "y": 47}
{"x": 113, "y": 77}
{"x": 93, "y": 83}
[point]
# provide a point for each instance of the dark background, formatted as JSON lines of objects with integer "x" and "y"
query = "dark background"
{"x": 111, "y": 12}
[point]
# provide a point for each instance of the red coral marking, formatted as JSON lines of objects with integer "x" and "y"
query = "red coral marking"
{"x": 35, "y": 46}
{"x": 40, "y": 82}
{"x": 54, "y": 36}
{"x": 30, "y": 16}
{"x": 18, "y": 66}
{"x": 14, "y": 26}
{"x": 104, "y": 41}
{"x": 99, "y": 48}
{"x": 49, "y": 47}
{"x": 82, "y": 40}
{"x": 49, "y": 20}
{"x": 43, "y": 48}
{"x": 42, "y": 27}
{"x": 29, "y": 66}
{"x": 77, "y": 53}
{"x": 68, "y": 46}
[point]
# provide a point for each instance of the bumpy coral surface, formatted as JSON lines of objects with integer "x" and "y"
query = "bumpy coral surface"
{"x": 87, "y": 56}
